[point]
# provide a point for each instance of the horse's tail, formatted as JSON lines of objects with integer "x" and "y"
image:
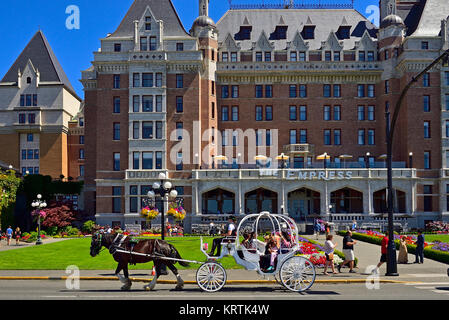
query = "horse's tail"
{"x": 178, "y": 256}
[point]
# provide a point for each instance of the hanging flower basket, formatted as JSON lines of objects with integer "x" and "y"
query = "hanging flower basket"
{"x": 39, "y": 214}
{"x": 177, "y": 212}
{"x": 149, "y": 213}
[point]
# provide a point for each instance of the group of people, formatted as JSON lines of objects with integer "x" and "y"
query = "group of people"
{"x": 174, "y": 230}
{"x": 10, "y": 234}
{"x": 321, "y": 227}
{"x": 348, "y": 250}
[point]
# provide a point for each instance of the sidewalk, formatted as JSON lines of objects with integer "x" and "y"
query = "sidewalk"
{"x": 367, "y": 255}
{"x": 4, "y": 246}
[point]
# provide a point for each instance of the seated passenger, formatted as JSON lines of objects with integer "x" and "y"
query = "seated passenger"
{"x": 285, "y": 242}
{"x": 268, "y": 260}
{"x": 248, "y": 242}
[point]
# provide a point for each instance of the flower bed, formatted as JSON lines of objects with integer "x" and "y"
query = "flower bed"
{"x": 315, "y": 253}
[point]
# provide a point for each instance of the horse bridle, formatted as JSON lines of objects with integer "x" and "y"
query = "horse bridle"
{"x": 98, "y": 242}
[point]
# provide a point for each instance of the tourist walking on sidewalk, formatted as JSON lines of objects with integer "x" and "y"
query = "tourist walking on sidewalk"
{"x": 9, "y": 235}
{"x": 17, "y": 235}
{"x": 419, "y": 248}
{"x": 329, "y": 248}
{"x": 383, "y": 254}
{"x": 348, "y": 250}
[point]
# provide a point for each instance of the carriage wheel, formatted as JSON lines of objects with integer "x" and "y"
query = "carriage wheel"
{"x": 297, "y": 274}
{"x": 211, "y": 277}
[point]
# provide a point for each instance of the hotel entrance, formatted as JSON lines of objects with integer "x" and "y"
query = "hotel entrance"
{"x": 303, "y": 202}
{"x": 261, "y": 200}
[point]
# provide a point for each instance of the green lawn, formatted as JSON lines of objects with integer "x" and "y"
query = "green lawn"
{"x": 433, "y": 237}
{"x": 59, "y": 255}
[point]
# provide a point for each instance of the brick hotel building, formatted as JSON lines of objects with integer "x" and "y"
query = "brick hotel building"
{"x": 309, "y": 81}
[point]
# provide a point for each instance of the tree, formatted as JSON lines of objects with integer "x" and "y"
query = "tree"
{"x": 59, "y": 215}
{"x": 9, "y": 184}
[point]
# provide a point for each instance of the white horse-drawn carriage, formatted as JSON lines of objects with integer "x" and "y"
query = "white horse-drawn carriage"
{"x": 294, "y": 272}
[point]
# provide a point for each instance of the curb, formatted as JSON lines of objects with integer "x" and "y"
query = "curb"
{"x": 335, "y": 281}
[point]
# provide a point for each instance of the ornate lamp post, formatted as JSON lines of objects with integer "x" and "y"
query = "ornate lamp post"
{"x": 164, "y": 189}
{"x": 38, "y": 205}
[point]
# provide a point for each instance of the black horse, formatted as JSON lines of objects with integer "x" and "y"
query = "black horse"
{"x": 152, "y": 247}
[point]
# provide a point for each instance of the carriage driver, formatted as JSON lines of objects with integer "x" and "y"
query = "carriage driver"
{"x": 231, "y": 231}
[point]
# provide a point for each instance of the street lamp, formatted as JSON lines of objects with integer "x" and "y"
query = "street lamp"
{"x": 367, "y": 159}
{"x": 38, "y": 205}
{"x": 390, "y": 126}
{"x": 410, "y": 160}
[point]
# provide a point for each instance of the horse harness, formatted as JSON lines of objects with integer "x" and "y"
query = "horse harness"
{"x": 117, "y": 243}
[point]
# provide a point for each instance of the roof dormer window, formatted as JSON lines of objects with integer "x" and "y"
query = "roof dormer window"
{"x": 29, "y": 80}
{"x": 344, "y": 32}
{"x": 280, "y": 33}
{"x": 308, "y": 32}
{"x": 244, "y": 33}
{"x": 147, "y": 23}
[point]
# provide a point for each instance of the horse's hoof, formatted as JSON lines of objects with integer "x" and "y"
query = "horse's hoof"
{"x": 126, "y": 288}
{"x": 147, "y": 288}
{"x": 179, "y": 288}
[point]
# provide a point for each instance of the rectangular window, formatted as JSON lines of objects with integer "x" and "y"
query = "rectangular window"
{"x": 337, "y": 91}
{"x": 233, "y": 56}
{"x": 36, "y": 154}
{"x": 302, "y": 91}
{"x": 292, "y": 91}
{"x": 337, "y": 137}
{"x": 158, "y": 160}
{"x": 235, "y": 113}
{"x": 30, "y": 137}
{"x": 22, "y": 100}
{"x": 147, "y": 80}
{"x": 292, "y": 113}
{"x": 116, "y": 134}
{"x": 361, "y": 137}
{"x": 234, "y": 91}
{"x": 116, "y": 166}
{"x": 303, "y": 136}
{"x": 362, "y": 56}
{"x": 179, "y": 81}
{"x": 224, "y": 113}
{"x": 327, "y": 113}
{"x": 147, "y": 23}
{"x": 34, "y": 100}
{"x": 136, "y": 160}
{"x": 361, "y": 90}
{"x": 446, "y": 78}
{"x": 179, "y": 46}
{"x": 158, "y": 103}
{"x": 424, "y": 45}
{"x": 81, "y": 167}
{"x": 426, "y": 129}
{"x": 258, "y": 56}
{"x": 159, "y": 127}
{"x": 147, "y": 130}
{"x": 136, "y": 80}
{"x": 136, "y": 103}
{"x": 179, "y": 129}
{"x": 327, "y": 137}
{"x": 370, "y": 56}
{"x": 336, "y": 55}
{"x": 259, "y": 113}
{"x": 426, "y": 80}
{"x": 268, "y": 91}
{"x": 133, "y": 201}
{"x": 158, "y": 80}
{"x": 361, "y": 113}
{"x": 293, "y": 56}
{"x": 371, "y": 91}
{"x": 268, "y": 56}
{"x": 136, "y": 129}
{"x": 268, "y": 113}
{"x": 225, "y": 92}
{"x": 268, "y": 137}
{"x": 371, "y": 137}
{"x": 258, "y": 137}
{"x": 81, "y": 154}
{"x": 179, "y": 165}
{"x": 179, "y": 104}
{"x": 328, "y": 56}
{"x": 116, "y": 81}
{"x": 153, "y": 44}
{"x": 387, "y": 86}
{"x": 426, "y": 159}
{"x": 259, "y": 91}
{"x": 147, "y": 103}
{"x": 224, "y": 57}
{"x": 292, "y": 136}
{"x": 224, "y": 138}
{"x": 302, "y": 113}
{"x": 426, "y": 103}
{"x": 147, "y": 160}
{"x": 28, "y": 100}
{"x": 143, "y": 44}
{"x": 116, "y": 105}
{"x": 327, "y": 90}
{"x": 447, "y": 130}
{"x": 302, "y": 56}
{"x": 81, "y": 122}
{"x": 116, "y": 200}
{"x": 371, "y": 113}
{"x": 31, "y": 118}
{"x": 22, "y": 118}
{"x": 30, "y": 154}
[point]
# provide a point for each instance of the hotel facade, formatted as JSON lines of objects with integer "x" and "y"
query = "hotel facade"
{"x": 214, "y": 108}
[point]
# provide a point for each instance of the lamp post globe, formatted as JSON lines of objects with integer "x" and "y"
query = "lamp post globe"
{"x": 167, "y": 185}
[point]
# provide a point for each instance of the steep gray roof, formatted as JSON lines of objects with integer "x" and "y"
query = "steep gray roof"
{"x": 430, "y": 21}
{"x": 325, "y": 20}
{"x": 162, "y": 9}
{"x": 38, "y": 50}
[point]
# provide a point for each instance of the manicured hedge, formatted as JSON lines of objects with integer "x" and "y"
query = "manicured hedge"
{"x": 428, "y": 252}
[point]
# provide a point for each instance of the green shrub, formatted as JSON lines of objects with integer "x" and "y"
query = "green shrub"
{"x": 88, "y": 226}
{"x": 73, "y": 232}
{"x": 52, "y": 231}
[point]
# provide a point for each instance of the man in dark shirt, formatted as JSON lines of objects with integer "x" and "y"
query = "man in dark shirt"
{"x": 419, "y": 254}
{"x": 231, "y": 231}
{"x": 348, "y": 250}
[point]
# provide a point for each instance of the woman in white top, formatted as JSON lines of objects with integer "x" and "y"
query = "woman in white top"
{"x": 329, "y": 248}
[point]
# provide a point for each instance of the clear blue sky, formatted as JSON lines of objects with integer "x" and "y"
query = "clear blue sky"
{"x": 19, "y": 21}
